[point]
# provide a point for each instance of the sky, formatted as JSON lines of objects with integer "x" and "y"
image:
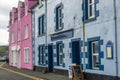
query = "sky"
{"x": 5, "y": 8}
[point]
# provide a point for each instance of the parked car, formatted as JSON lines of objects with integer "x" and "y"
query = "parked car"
{"x": 3, "y": 58}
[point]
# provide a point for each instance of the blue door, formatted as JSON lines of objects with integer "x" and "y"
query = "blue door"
{"x": 50, "y": 57}
{"x": 76, "y": 52}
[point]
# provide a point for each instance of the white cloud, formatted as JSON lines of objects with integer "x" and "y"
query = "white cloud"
{"x": 5, "y": 8}
{"x": 3, "y": 37}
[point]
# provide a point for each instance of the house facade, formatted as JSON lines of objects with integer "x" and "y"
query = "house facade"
{"x": 20, "y": 50}
{"x": 81, "y": 32}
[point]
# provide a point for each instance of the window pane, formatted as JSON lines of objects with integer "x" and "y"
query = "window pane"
{"x": 91, "y": 8}
{"x": 43, "y": 24}
{"x": 61, "y": 60}
{"x": 60, "y": 54}
{"x": 58, "y": 17}
{"x": 95, "y": 61}
{"x": 26, "y": 32}
{"x": 60, "y": 48}
{"x": 95, "y": 47}
{"x": 41, "y": 50}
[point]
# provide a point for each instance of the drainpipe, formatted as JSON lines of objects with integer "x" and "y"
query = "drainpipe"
{"x": 83, "y": 25}
{"x": 116, "y": 53}
{"x": 33, "y": 35}
{"x": 46, "y": 26}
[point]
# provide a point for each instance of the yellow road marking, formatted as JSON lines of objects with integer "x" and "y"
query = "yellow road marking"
{"x": 22, "y": 74}
{"x": 2, "y": 64}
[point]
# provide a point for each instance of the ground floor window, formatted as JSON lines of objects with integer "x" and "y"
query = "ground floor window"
{"x": 26, "y": 55}
{"x": 42, "y": 56}
{"x": 60, "y": 54}
{"x": 95, "y": 54}
{"x": 14, "y": 57}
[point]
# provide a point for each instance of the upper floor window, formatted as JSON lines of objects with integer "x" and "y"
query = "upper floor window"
{"x": 41, "y": 26}
{"x": 26, "y": 55}
{"x": 12, "y": 37}
{"x": 59, "y": 18}
{"x": 26, "y": 9}
{"x": 26, "y": 32}
{"x": 18, "y": 35}
{"x": 90, "y": 11}
{"x": 91, "y": 8}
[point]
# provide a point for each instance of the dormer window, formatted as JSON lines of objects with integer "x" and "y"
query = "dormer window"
{"x": 26, "y": 9}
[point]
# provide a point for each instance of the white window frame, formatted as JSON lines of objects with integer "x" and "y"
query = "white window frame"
{"x": 60, "y": 54}
{"x": 59, "y": 17}
{"x": 41, "y": 26}
{"x": 93, "y": 8}
{"x": 41, "y": 58}
{"x": 13, "y": 35}
{"x": 14, "y": 57}
{"x": 26, "y": 32}
{"x": 96, "y": 54}
{"x": 26, "y": 55}
{"x": 42, "y": 55}
{"x": 19, "y": 35}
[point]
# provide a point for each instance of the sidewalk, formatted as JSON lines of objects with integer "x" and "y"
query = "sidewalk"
{"x": 46, "y": 76}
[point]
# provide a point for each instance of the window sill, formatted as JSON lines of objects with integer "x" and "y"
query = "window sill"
{"x": 57, "y": 30}
{"x": 41, "y": 35}
{"x": 26, "y": 62}
{"x": 61, "y": 31}
{"x": 90, "y": 19}
{"x": 18, "y": 40}
{"x": 26, "y": 38}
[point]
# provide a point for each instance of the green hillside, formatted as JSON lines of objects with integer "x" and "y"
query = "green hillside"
{"x": 3, "y": 50}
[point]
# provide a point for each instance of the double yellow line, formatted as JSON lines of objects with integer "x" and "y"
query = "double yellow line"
{"x": 19, "y": 73}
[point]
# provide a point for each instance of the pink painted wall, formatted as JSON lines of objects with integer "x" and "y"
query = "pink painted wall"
{"x": 23, "y": 43}
{"x": 13, "y": 28}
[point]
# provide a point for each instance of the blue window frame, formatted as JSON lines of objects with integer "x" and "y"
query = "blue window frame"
{"x": 41, "y": 25}
{"x": 59, "y": 17}
{"x": 42, "y": 56}
{"x": 89, "y": 10}
{"x": 60, "y": 54}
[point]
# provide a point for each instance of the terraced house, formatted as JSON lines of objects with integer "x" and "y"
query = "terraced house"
{"x": 66, "y": 32}
{"x": 20, "y": 27}
{"x": 82, "y": 32}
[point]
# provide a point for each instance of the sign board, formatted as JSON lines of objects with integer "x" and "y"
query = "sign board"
{"x": 62, "y": 35}
{"x": 109, "y": 49}
{"x": 77, "y": 73}
{"x": 70, "y": 71}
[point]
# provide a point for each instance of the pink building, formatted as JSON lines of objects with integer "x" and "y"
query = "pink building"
{"x": 20, "y": 33}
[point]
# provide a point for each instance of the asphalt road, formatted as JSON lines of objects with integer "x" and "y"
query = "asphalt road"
{"x": 6, "y": 75}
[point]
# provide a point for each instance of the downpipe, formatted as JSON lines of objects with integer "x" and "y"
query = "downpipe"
{"x": 116, "y": 41}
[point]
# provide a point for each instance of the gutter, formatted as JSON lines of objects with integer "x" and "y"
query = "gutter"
{"x": 116, "y": 41}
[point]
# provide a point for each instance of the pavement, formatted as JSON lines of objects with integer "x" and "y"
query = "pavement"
{"x": 34, "y": 75}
